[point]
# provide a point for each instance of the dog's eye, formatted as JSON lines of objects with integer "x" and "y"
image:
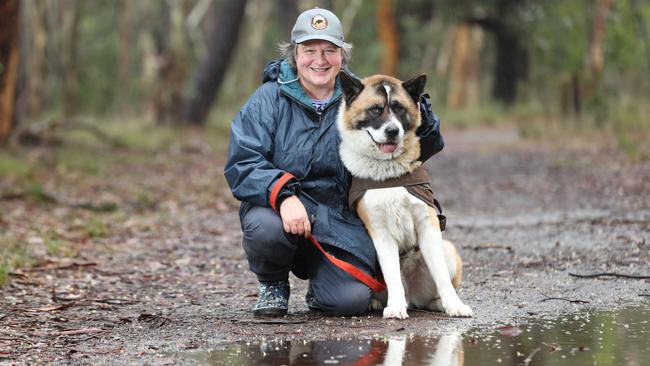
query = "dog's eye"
{"x": 397, "y": 108}
{"x": 376, "y": 111}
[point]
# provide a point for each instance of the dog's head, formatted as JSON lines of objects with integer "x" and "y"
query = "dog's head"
{"x": 381, "y": 113}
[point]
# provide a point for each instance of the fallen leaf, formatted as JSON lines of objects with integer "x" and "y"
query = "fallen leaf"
{"x": 81, "y": 331}
{"x": 51, "y": 308}
{"x": 510, "y": 331}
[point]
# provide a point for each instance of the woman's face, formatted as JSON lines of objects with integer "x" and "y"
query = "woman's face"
{"x": 318, "y": 62}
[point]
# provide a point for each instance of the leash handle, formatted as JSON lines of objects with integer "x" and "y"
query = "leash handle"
{"x": 355, "y": 272}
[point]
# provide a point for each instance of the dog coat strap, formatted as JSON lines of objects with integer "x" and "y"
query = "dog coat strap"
{"x": 359, "y": 186}
{"x": 441, "y": 218}
{"x": 355, "y": 272}
{"x": 425, "y": 193}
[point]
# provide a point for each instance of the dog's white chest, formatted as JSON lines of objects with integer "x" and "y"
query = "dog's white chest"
{"x": 394, "y": 210}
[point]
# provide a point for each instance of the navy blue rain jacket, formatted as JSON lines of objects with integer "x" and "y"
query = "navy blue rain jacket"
{"x": 280, "y": 146}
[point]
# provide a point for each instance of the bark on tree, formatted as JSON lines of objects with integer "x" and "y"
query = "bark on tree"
{"x": 212, "y": 70}
{"x": 643, "y": 30}
{"x": 287, "y": 13}
{"x": 124, "y": 34}
{"x": 465, "y": 66}
{"x": 511, "y": 64}
{"x": 595, "y": 59}
{"x": 166, "y": 61}
{"x": 388, "y": 36}
{"x": 509, "y": 55}
{"x": 511, "y": 60}
{"x": 33, "y": 50}
{"x": 9, "y": 51}
{"x": 70, "y": 17}
{"x": 260, "y": 11}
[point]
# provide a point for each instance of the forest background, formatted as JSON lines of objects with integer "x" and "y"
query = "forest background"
{"x": 80, "y": 80}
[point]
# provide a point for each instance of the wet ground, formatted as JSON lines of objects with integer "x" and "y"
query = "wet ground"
{"x": 582, "y": 338}
{"x": 527, "y": 218}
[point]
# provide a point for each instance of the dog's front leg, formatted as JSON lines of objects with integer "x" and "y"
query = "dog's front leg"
{"x": 388, "y": 255}
{"x": 433, "y": 251}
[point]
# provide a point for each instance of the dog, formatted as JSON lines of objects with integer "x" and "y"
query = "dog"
{"x": 377, "y": 121}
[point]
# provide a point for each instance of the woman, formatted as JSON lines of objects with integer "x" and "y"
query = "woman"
{"x": 283, "y": 165}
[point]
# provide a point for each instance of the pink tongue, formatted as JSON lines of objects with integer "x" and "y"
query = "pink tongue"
{"x": 387, "y": 148}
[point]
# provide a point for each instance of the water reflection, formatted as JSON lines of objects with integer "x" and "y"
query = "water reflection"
{"x": 584, "y": 338}
{"x": 446, "y": 350}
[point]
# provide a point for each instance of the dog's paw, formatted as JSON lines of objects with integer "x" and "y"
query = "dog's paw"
{"x": 456, "y": 307}
{"x": 396, "y": 312}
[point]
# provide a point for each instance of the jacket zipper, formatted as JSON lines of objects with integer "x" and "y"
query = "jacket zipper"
{"x": 310, "y": 109}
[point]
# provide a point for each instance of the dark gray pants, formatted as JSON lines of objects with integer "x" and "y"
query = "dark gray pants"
{"x": 272, "y": 254}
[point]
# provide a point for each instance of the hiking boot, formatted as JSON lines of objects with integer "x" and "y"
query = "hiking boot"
{"x": 311, "y": 301}
{"x": 273, "y": 299}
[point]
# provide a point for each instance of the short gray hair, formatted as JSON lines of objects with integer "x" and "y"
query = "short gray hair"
{"x": 288, "y": 51}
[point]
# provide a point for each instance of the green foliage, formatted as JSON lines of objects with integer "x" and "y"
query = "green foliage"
{"x": 559, "y": 36}
{"x": 624, "y": 47}
{"x": 56, "y": 246}
{"x": 363, "y": 36}
{"x": 135, "y": 134}
{"x": 12, "y": 166}
{"x": 484, "y": 115}
{"x": 97, "y": 54}
{"x": 631, "y": 126}
{"x": 555, "y": 34}
{"x": 96, "y": 228}
{"x": 13, "y": 254}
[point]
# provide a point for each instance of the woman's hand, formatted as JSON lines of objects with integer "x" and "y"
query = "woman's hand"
{"x": 294, "y": 217}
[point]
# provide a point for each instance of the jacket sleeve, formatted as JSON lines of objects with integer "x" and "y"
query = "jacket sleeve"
{"x": 431, "y": 141}
{"x": 250, "y": 172}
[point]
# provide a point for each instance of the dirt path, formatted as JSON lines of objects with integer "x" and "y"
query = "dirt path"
{"x": 175, "y": 279}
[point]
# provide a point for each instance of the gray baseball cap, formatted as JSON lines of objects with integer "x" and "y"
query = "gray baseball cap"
{"x": 317, "y": 23}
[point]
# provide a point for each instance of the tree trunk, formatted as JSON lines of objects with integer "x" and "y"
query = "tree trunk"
{"x": 33, "y": 48}
{"x": 511, "y": 62}
{"x": 165, "y": 60}
{"x": 643, "y": 30}
{"x": 509, "y": 54}
{"x": 9, "y": 41}
{"x": 70, "y": 15}
{"x": 286, "y": 13}
{"x": 211, "y": 72}
{"x": 460, "y": 55}
{"x": 595, "y": 59}
{"x": 388, "y": 37}
{"x": 464, "y": 75}
{"x": 255, "y": 40}
{"x": 124, "y": 53}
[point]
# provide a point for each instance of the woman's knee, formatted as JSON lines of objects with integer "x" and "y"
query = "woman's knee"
{"x": 261, "y": 225}
{"x": 349, "y": 299}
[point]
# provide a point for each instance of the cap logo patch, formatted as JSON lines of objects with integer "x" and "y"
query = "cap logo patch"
{"x": 319, "y": 22}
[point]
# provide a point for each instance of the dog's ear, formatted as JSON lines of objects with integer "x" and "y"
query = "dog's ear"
{"x": 415, "y": 86}
{"x": 351, "y": 87}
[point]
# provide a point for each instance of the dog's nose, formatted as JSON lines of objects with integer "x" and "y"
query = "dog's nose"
{"x": 391, "y": 131}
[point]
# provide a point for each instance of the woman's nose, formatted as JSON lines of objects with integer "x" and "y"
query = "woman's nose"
{"x": 320, "y": 57}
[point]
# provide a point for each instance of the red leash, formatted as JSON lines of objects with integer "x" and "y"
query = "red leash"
{"x": 355, "y": 272}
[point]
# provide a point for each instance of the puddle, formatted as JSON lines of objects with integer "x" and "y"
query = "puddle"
{"x": 585, "y": 338}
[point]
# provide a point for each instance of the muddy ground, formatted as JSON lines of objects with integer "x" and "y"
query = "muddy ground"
{"x": 174, "y": 278}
